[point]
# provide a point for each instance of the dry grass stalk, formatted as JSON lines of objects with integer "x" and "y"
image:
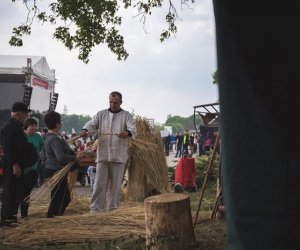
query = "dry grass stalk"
{"x": 127, "y": 221}
{"x": 44, "y": 190}
{"x": 146, "y": 165}
{"x": 73, "y": 139}
{"x": 72, "y": 178}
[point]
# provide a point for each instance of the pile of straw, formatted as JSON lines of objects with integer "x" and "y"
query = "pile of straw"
{"x": 147, "y": 166}
{"x": 127, "y": 221}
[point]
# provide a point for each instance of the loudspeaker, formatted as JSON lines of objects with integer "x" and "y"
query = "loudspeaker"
{"x": 53, "y": 101}
{"x": 27, "y": 95}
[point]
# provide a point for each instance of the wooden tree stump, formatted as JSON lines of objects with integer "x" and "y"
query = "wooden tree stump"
{"x": 168, "y": 222}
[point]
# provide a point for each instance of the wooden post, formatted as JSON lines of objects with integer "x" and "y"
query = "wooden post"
{"x": 168, "y": 222}
{"x": 210, "y": 164}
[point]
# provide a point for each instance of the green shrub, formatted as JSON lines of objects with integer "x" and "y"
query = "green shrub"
{"x": 201, "y": 167}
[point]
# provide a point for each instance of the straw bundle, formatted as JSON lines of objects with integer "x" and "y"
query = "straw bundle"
{"x": 146, "y": 165}
{"x": 72, "y": 178}
{"x": 127, "y": 221}
{"x": 142, "y": 145}
{"x": 44, "y": 190}
{"x": 73, "y": 139}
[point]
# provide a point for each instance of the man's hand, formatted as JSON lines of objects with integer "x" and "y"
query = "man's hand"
{"x": 124, "y": 134}
{"x": 16, "y": 170}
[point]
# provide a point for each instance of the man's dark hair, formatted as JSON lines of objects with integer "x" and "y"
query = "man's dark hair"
{"x": 116, "y": 93}
{"x": 51, "y": 119}
{"x": 29, "y": 121}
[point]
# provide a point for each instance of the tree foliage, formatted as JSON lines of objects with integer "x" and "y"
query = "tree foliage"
{"x": 179, "y": 123}
{"x": 84, "y": 24}
{"x": 74, "y": 121}
{"x": 215, "y": 77}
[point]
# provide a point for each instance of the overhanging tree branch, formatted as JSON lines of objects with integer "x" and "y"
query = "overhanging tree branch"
{"x": 91, "y": 23}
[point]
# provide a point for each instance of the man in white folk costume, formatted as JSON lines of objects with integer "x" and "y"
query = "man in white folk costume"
{"x": 114, "y": 126}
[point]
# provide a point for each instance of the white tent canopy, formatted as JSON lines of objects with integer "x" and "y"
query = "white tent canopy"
{"x": 12, "y": 81}
{"x": 10, "y": 64}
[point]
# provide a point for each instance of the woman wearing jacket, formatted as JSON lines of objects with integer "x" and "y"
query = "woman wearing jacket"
{"x": 58, "y": 154}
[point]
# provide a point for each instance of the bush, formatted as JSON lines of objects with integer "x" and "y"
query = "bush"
{"x": 201, "y": 167}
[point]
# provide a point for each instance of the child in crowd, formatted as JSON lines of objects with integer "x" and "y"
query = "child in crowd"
{"x": 91, "y": 172}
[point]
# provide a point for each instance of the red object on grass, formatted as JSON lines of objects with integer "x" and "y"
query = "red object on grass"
{"x": 185, "y": 172}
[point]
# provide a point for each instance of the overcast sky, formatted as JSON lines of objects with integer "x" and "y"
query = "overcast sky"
{"x": 156, "y": 80}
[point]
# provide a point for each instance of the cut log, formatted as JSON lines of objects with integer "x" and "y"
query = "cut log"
{"x": 168, "y": 222}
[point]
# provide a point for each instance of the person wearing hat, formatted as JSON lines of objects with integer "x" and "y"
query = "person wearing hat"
{"x": 16, "y": 153}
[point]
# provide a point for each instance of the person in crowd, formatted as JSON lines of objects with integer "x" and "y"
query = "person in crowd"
{"x": 90, "y": 150}
{"x": 195, "y": 142}
{"x": 179, "y": 140}
{"x": 58, "y": 155}
{"x": 166, "y": 142}
{"x": 91, "y": 172}
{"x": 27, "y": 181}
{"x": 18, "y": 155}
{"x": 64, "y": 135}
{"x": 172, "y": 142}
{"x": 112, "y": 157}
{"x": 79, "y": 147}
{"x": 200, "y": 144}
{"x": 186, "y": 143}
{"x": 208, "y": 142}
{"x": 44, "y": 133}
{"x": 41, "y": 162}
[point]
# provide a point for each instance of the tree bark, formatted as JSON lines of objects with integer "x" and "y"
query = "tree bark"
{"x": 168, "y": 222}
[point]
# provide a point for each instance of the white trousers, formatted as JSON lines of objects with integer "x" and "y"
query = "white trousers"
{"x": 108, "y": 180}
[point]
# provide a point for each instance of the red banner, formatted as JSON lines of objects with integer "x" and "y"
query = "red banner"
{"x": 40, "y": 83}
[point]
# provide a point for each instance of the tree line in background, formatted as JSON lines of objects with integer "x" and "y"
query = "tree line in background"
{"x": 76, "y": 122}
{"x": 179, "y": 124}
{"x": 73, "y": 122}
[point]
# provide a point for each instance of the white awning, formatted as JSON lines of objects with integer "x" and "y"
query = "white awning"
{"x": 10, "y": 64}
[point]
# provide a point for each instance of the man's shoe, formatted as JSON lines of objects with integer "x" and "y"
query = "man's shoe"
{"x": 8, "y": 224}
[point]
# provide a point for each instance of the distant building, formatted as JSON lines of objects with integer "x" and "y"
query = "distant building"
{"x": 65, "y": 111}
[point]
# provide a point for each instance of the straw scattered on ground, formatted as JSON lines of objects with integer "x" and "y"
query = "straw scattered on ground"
{"x": 77, "y": 226}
